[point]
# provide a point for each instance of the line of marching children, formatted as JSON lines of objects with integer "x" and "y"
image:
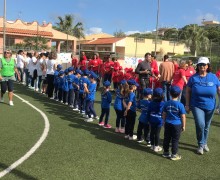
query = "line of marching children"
{"x": 78, "y": 89}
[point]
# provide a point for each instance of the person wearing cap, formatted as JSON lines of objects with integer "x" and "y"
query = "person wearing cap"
{"x": 166, "y": 70}
{"x": 106, "y": 99}
{"x": 51, "y": 67}
{"x": 144, "y": 71}
{"x": 90, "y": 91}
{"x": 78, "y": 75}
{"x": 60, "y": 86}
{"x": 70, "y": 78}
{"x": 7, "y": 75}
{"x": 201, "y": 99}
{"x": 55, "y": 82}
{"x": 119, "y": 108}
{"x": 130, "y": 109}
{"x": 154, "y": 116}
{"x": 174, "y": 116}
{"x": 143, "y": 122}
{"x": 65, "y": 87}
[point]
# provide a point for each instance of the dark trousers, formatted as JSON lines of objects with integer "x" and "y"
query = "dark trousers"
{"x": 70, "y": 96}
{"x": 27, "y": 79}
{"x": 120, "y": 118}
{"x": 171, "y": 134}
{"x": 130, "y": 122}
{"x": 39, "y": 82}
{"x": 7, "y": 85}
{"x": 115, "y": 84}
{"x": 56, "y": 91}
{"x": 76, "y": 99}
{"x": 166, "y": 90}
{"x": 21, "y": 72}
{"x": 50, "y": 87}
{"x": 105, "y": 112}
{"x": 81, "y": 103}
{"x": 90, "y": 109}
{"x": 146, "y": 127}
{"x": 65, "y": 96}
{"x": 108, "y": 77}
{"x": 155, "y": 135}
{"x": 60, "y": 94}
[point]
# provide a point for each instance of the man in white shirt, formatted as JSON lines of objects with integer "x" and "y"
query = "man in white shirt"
{"x": 20, "y": 64}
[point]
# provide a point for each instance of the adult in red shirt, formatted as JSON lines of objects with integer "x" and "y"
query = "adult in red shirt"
{"x": 179, "y": 76}
{"x": 74, "y": 61}
{"x": 94, "y": 64}
{"x": 108, "y": 67}
{"x": 82, "y": 64}
{"x": 153, "y": 64}
{"x": 117, "y": 76}
{"x": 116, "y": 63}
{"x": 176, "y": 65}
{"x": 83, "y": 56}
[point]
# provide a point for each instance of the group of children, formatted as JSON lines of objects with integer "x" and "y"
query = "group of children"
{"x": 77, "y": 89}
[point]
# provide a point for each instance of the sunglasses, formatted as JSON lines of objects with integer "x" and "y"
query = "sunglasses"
{"x": 202, "y": 64}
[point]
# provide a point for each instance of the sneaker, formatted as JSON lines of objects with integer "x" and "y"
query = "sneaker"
{"x": 126, "y": 136}
{"x": 75, "y": 109}
{"x": 51, "y": 98}
{"x": 71, "y": 106}
{"x": 148, "y": 144}
{"x": 200, "y": 150}
{"x": 107, "y": 126}
{"x": 2, "y": 100}
{"x": 101, "y": 124}
{"x": 152, "y": 147}
{"x": 11, "y": 103}
{"x": 92, "y": 116}
{"x": 175, "y": 157}
{"x": 140, "y": 140}
{"x": 85, "y": 116}
{"x": 88, "y": 120}
{"x": 132, "y": 137}
{"x": 206, "y": 148}
{"x": 157, "y": 149}
{"x": 122, "y": 130}
{"x": 83, "y": 113}
{"x": 66, "y": 103}
{"x": 117, "y": 130}
{"x": 166, "y": 155}
{"x": 37, "y": 89}
{"x": 61, "y": 101}
{"x": 97, "y": 118}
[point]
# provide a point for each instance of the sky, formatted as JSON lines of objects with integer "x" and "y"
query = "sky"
{"x": 109, "y": 16}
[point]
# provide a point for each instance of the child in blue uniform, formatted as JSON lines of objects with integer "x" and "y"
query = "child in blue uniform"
{"x": 60, "y": 86}
{"x": 155, "y": 118}
{"x": 90, "y": 91}
{"x": 65, "y": 87}
{"x": 175, "y": 122}
{"x": 70, "y": 79}
{"x": 105, "y": 105}
{"x": 56, "y": 77}
{"x": 143, "y": 121}
{"x": 130, "y": 109}
{"x": 119, "y": 108}
{"x": 76, "y": 89}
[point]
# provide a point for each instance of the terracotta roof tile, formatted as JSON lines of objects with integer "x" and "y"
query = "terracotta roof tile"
{"x": 104, "y": 41}
{"x": 27, "y": 32}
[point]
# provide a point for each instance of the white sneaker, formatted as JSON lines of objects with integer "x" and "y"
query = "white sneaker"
{"x": 85, "y": 116}
{"x": 152, "y": 148}
{"x": 2, "y": 100}
{"x": 157, "y": 149}
{"x": 75, "y": 109}
{"x": 37, "y": 89}
{"x": 71, "y": 106}
{"x": 92, "y": 116}
{"x": 97, "y": 118}
{"x": 11, "y": 103}
{"x": 134, "y": 137}
{"x": 88, "y": 120}
{"x": 126, "y": 136}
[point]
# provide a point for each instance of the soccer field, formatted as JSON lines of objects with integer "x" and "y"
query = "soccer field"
{"x": 75, "y": 149}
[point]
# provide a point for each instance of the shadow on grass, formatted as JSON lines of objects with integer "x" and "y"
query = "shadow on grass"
{"x": 66, "y": 113}
{"x": 17, "y": 173}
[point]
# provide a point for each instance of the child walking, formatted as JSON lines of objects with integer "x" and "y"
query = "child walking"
{"x": 155, "y": 118}
{"x": 65, "y": 87}
{"x": 143, "y": 121}
{"x": 76, "y": 90}
{"x": 119, "y": 108}
{"x": 60, "y": 86}
{"x": 130, "y": 109}
{"x": 175, "y": 122}
{"x": 105, "y": 105}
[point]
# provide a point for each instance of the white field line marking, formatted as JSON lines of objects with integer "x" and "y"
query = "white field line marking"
{"x": 35, "y": 147}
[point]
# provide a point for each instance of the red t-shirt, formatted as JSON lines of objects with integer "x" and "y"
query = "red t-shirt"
{"x": 108, "y": 67}
{"x": 75, "y": 62}
{"x": 154, "y": 66}
{"x": 189, "y": 72}
{"x": 116, "y": 64}
{"x": 82, "y": 65}
{"x": 155, "y": 83}
{"x": 176, "y": 67}
{"x": 117, "y": 76}
{"x": 218, "y": 74}
{"x": 177, "y": 78}
{"x": 94, "y": 64}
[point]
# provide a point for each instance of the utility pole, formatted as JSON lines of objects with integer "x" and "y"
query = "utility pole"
{"x": 156, "y": 38}
{"x": 4, "y": 26}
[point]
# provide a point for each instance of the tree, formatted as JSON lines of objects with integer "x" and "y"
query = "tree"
{"x": 171, "y": 34}
{"x": 66, "y": 24}
{"x": 119, "y": 33}
{"x": 36, "y": 43}
{"x": 195, "y": 38}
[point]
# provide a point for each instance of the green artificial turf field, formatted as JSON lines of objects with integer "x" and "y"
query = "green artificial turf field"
{"x": 75, "y": 149}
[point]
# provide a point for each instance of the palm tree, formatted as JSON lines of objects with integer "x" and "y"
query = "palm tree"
{"x": 195, "y": 38}
{"x": 66, "y": 24}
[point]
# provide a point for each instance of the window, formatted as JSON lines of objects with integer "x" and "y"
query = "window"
{"x": 9, "y": 41}
{"x": 139, "y": 40}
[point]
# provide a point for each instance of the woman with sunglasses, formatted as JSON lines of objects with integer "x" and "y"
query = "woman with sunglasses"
{"x": 7, "y": 76}
{"x": 201, "y": 99}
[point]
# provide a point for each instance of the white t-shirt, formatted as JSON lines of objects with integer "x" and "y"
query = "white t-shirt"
{"x": 27, "y": 61}
{"x": 32, "y": 65}
{"x": 39, "y": 67}
{"x": 50, "y": 66}
{"x": 20, "y": 61}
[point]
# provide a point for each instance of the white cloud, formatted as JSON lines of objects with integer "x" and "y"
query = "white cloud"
{"x": 133, "y": 32}
{"x": 94, "y": 30}
{"x": 206, "y": 17}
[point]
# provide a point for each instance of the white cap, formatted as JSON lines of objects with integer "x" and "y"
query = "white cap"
{"x": 204, "y": 60}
